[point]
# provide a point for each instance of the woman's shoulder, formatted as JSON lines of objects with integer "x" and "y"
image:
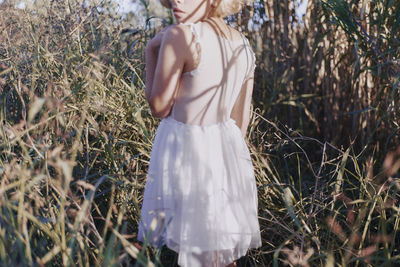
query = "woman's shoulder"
{"x": 224, "y": 30}
{"x": 234, "y": 34}
{"x": 179, "y": 37}
{"x": 178, "y": 32}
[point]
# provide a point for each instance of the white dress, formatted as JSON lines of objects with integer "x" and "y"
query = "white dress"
{"x": 200, "y": 197}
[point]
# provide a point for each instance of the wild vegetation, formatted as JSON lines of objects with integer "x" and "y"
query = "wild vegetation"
{"x": 76, "y": 134}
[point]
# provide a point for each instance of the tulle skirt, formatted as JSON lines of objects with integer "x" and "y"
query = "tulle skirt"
{"x": 200, "y": 197}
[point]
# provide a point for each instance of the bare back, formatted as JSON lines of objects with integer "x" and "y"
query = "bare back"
{"x": 207, "y": 94}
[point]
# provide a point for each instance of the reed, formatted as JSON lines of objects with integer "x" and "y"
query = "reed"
{"x": 76, "y": 135}
{"x": 332, "y": 74}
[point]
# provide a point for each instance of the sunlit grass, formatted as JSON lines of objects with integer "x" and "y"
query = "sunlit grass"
{"x": 76, "y": 135}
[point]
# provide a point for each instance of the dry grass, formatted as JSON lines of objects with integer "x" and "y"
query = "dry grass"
{"x": 335, "y": 76}
{"x": 76, "y": 136}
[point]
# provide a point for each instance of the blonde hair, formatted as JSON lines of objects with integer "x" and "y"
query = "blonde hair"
{"x": 223, "y": 8}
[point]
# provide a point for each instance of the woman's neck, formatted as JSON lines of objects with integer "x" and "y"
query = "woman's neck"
{"x": 215, "y": 20}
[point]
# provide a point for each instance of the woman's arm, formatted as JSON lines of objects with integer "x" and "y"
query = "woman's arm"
{"x": 241, "y": 109}
{"x": 151, "y": 56}
{"x": 165, "y": 70}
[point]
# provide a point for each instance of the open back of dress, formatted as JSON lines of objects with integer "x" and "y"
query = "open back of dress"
{"x": 207, "y": 94}
{"x": 200, "y": 197}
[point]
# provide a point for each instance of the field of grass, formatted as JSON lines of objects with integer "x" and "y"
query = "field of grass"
{"x": 76, "y": 135}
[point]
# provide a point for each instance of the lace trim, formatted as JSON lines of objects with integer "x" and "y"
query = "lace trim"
{"x": 198, "y": 42}
{"x": 253, "y": 64}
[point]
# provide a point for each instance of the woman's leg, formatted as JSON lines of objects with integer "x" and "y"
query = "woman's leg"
{"x": 233, "y": 264}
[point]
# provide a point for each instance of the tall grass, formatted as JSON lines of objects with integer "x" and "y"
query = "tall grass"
{"x": 333, "y": 73}
{"x": 76, "y": 136}
{"x": 74, "y": 141}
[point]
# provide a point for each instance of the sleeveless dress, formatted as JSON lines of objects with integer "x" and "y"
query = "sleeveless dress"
{"x": 200, "y": 197}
